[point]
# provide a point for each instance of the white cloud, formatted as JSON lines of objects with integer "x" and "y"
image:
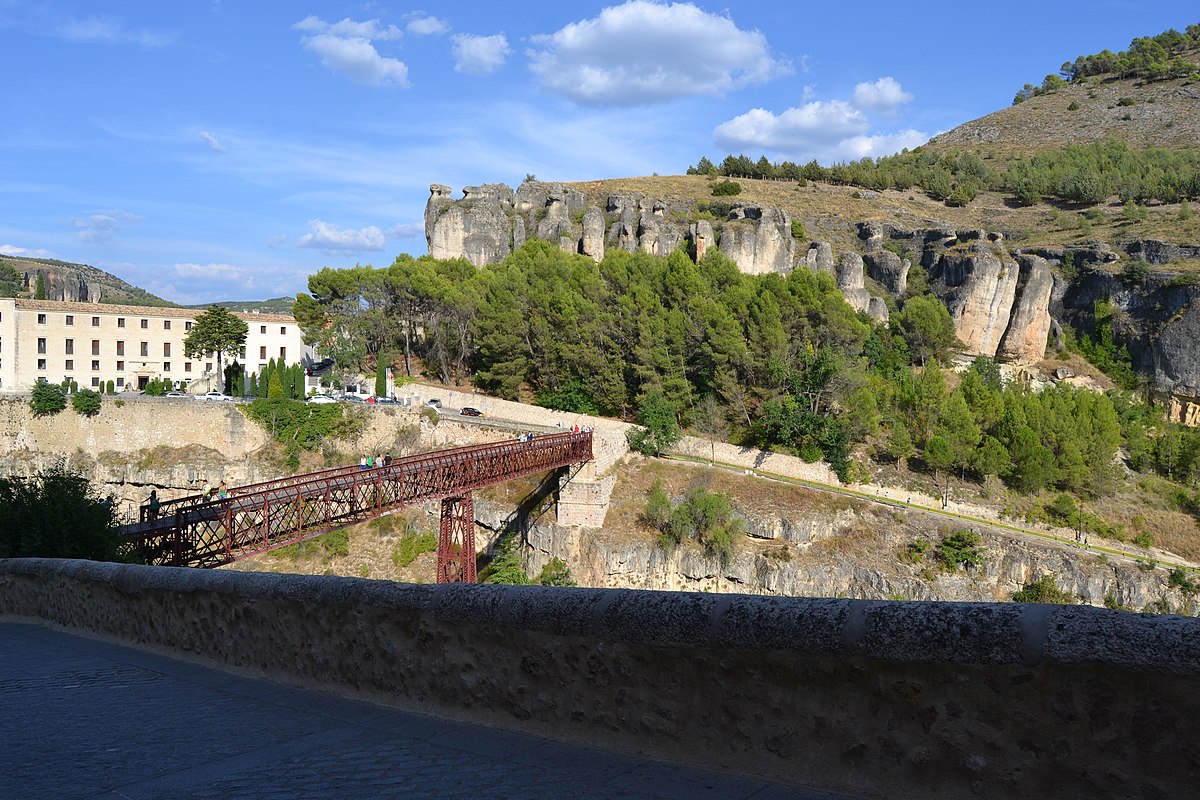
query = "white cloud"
{"x": 884, "y": 95}
{"x": 346, "y": 47}
{"x": 480, "y": 55}
{"x": 13, "y": 250}
{"x": 323, "y": 236}
{"x": 349, "y": 29}
{"x": 212, "y": 141}
{"x": 101, "y": 226}
{"x": 106, "y": 30}
{"x": 406, "y": 230}
{"x": 217, "y": 272}
{"x": 827, "y": 131}
{"x": 426, "y": 26}
{"x": 647, "y": 52}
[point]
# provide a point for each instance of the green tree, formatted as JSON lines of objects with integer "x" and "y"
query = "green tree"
{"x": 556, "y": 573}
{"x": 381, "y": 366}
{"x": 660, "y": 428}
{"x": 1044, "y": 590}
{"x": 57, "y": 513}
{"x": 86, "y": 403}
{"x": 926, "y": 326}
{"x": 899, "y": 445}
{"x": 219, "y": 331}
{"x": 39, "y": 293}
{"x": 505, "y": 567}
{"x": 960, "y": 549}
{"x": 275, "y": 387}
{"x": 657, "y": 512}
{"x": 47, "y": 399}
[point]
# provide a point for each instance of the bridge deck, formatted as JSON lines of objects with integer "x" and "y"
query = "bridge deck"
{"x": 207, "y": 533}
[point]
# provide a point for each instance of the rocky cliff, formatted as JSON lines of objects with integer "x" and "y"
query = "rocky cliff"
{"x": 1004, "y": 300}
{"x": 857, "y": 552}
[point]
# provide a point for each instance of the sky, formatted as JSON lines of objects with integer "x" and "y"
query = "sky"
{"x": 218, "y": 150}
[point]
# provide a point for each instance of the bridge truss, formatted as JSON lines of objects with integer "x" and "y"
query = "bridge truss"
{"x": 203, "y": 532}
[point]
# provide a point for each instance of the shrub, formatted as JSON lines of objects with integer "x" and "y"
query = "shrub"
{"x": 556, "y": 573}
{"x": 726, "y": 188}
{"x": 86, "y": 403}
{"x": 1074, "y": 106}
{"x": 1179, "y": 579}
{"x": 1126, "y": 101}
{"x": 47, "y": 399}
{"x": 412, "y": 545}
{"x": 798, "y": 231}
{"x": 57, "y": 514}
{"x": 960, "y": 549}
{"x": 1044, "y": 590}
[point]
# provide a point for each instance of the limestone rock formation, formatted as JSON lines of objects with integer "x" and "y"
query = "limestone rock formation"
{"x": 1029, "y": 325}
{"x": 820, "y": 257}
{"x": 476, "y": 228}
{"x": 759, "y": 239}
{"x": 978, "y": 287}
{"x": 593, "y": 234}
{"x": 701, "y": 235}
{"x": 850, "y": 280}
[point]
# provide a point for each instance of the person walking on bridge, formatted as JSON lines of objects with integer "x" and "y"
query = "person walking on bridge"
{"x": 153, "y": 505}
{"x": 222, "y": 491}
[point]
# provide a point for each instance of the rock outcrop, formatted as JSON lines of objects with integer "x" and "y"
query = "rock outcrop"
{"x": 978, "y": 287}
{"x": 1029, "y": 325}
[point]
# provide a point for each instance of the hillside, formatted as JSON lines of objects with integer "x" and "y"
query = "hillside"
{"x": 1138, "y": 111}
{"x": 75, "y": 282}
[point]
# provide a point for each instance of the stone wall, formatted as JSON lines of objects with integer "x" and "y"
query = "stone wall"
{"x": 877, "y": 699}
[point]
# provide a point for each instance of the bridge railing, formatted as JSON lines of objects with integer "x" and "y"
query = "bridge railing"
{"x": 216, "y": 531}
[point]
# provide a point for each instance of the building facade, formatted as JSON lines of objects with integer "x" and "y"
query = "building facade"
{"x": 93, "y": 343}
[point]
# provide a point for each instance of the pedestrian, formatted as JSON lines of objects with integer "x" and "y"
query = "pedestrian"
{"x": 206, "y": 491}
{"x": 362, "y": 463}
{"x": 387, "y": 460}
{"x": 223, "y": 491}
{"x": 153, "y": 504}
{"x": 370, "y": 462}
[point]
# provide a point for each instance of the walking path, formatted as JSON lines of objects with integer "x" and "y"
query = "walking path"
{"x": 87, "y": 719}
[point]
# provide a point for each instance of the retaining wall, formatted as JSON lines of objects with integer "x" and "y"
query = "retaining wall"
{"x": 876, "y": 699}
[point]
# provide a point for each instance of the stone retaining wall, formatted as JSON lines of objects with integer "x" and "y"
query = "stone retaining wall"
{"x": 877, "y": 699}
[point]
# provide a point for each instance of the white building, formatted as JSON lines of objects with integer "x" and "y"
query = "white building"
{"x": 93, "y": 343}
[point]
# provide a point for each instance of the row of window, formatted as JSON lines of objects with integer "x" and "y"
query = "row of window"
{"x": 187, "y": 325}
{"x": 69, "y": 349}
{"x": 69, "y": 365}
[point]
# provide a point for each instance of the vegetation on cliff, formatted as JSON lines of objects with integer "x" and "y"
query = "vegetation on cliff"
{"x": 57, "y": 513}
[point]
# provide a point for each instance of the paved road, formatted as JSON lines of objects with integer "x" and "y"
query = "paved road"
{"x": 81, "y": 718}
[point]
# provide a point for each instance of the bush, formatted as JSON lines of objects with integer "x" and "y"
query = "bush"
{"x": 506, "y": 565}
{"x": 412, "y": 545}
{"x": 1126, "y": 101}
{"x": 1179, "y": 579}
{"x": 47, "y": 399}
{"x": 86, "y": 403}
{"x": 960, "y": 549}
{"x": 1044, "y": 590}
{"x": 57, "y": 514}
{"x": 798, "y": 231}
{"x": 556, "y": 573}
{"x": 726, "y": 188}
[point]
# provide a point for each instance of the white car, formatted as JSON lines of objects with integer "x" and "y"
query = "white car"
{"x": 214, "y": 395}
{"x": 176, "y": 394}
{"x": 321, "y": 399}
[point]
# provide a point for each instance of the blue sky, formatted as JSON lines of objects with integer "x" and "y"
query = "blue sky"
{"x": 211, "y": 149}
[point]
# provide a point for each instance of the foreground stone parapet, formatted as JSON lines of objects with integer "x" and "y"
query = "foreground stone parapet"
{"x": 877, "y": 699}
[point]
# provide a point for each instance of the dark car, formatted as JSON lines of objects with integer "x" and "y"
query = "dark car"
{"x": 387, "y": 401}
{"x": 471, "y": 412}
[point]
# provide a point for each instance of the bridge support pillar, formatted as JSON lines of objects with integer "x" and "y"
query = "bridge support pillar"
{"x": 456, "y": 541}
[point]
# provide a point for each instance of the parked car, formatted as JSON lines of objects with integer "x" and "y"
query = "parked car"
{"x": 433, "y": 403}
{"x": 467, "y": 411}
{"x": 321, "y": 399}
{"x": 353, "y": 398}
{"x": 387, "y": 401}
{"x": 176, "y": 394}
{"x": 215, "y": 395}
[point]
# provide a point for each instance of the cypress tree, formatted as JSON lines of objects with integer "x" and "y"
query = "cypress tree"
{"x": 40, "y": 292}
{"x": 275, "y": 387}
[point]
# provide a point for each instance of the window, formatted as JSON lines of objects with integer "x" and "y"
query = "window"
{"x": 121, "y": 348}
{"x": 187, "y": 326}
{"x": 145, "y": 323}
{"x": 95, "y": 322}
{"x": 70, "y": 319}
{"x": 166, "y": 324}
{"x": 208, "y": 367}
{"x": 145, "y": 348}
{"x": 242, "y": 353}
{"x": 167, "y": 349}
{"x": 120, "y": 366}
{"x": 95, "y": 365}
{"x": 283, "y": 330}
{"x": 69, "y": 345}
{"x": 283, "y": 352}
{"x": 187, "y": 366}
{"x": 41, "y": 319}
{"x": 95, "y": 380}
{"x": 120, "y": 322}
{"x": 42, "y": 364}
{"x": 262, "y": 328}
{"x": 262, "y": 352}
{"x": 95, "y": 347}
{"x": 41, "y": 346}
{"x": 166, "y": 366}
{"x": 70, "y": 365}
{"x": 120, "y": 381}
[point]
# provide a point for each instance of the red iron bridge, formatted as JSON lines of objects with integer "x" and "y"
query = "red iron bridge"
{"x": 196, "y": 531}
